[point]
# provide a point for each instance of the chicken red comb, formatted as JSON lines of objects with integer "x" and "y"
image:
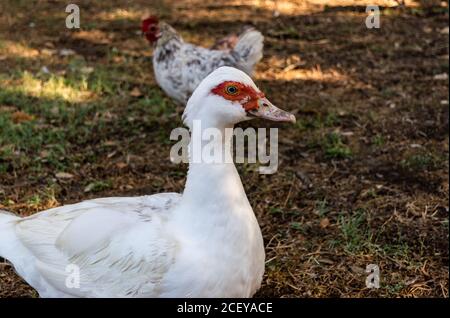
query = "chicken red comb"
{"x": 147, "y": 22}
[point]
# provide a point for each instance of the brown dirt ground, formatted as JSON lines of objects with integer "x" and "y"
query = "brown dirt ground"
{"x": 327, "y": 213}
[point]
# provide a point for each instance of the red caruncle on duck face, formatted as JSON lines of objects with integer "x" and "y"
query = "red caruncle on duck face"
{"x": 244, "y": 94}
{"x": 252, "y": 100}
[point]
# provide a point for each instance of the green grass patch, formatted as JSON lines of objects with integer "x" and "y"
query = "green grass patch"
{"x": 378, "y": 141}
{"x": 355, "y": 233}
{"x": 317, "y": 122}
{"x": 334, "y": 147}
{"x": 98, "y": 185}
{"x": 297, "y": 226}
{"x": 322, "y": 207}
{"x": 422, "y": 161}
{"x": 62, "y": 113}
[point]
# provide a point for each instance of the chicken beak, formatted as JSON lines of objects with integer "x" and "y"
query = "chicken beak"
{"x": 269, "y": 111}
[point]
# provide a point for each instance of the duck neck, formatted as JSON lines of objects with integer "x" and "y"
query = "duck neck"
{"x": 213, "y": 181}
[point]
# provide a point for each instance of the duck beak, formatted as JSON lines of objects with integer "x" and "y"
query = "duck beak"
{"x": 269, "y": 111}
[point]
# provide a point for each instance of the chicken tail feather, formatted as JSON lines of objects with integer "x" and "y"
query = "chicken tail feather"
{"x": 249, "y": 48}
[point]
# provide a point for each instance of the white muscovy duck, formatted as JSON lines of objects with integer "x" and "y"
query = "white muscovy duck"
{"x": 203, "y": 243}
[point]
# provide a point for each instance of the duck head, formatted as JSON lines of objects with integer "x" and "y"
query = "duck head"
{"x": 228, "y": 96}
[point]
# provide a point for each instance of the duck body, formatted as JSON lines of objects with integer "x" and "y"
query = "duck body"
{"x": 145, "y": 246}
{"x": 203, "y": 243}
{"x": 226, "y": 253}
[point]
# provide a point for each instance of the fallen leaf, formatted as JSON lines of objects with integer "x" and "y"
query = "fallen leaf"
{"x": 86, "y": 69}
{"x": 121, "y": 165}
{"x": 135, "y": 92}
{"x": 7, "y": 109}
{"x": 441, "y": 77}
{"x": 110, "y": 143}
{"x": 357, "y": 270}
{"x": 411, "y": 281}
{"x": 323, "y": 41}
{"x": 118, "y": 59}
{"x": 111, "y": 154}
{"x": 45, "y": 70}
{"x": 44, "y": 154}
{"x": 325, "y": 261}
{"x": 66, "y": 52}
{"x": 49, "y": 44}
{"x": 48, "y": 52}
{"x": 324, "y": 223}
{"x": 89, "y": 187}
{"x": 134, "y": 159}
{"x": 64, "y": 175}
{"x": 20, "y": 117}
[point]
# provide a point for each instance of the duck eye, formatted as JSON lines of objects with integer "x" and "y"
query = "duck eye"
{"x": 232, "y": 90}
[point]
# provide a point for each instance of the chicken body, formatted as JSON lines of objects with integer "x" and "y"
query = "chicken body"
{"x": 179, "y": 66}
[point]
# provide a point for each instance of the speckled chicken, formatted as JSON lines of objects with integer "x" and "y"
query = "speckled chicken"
{"x": 179, "y": 66}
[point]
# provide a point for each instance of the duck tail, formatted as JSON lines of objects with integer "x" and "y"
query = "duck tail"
{"x": 7, "y": 235}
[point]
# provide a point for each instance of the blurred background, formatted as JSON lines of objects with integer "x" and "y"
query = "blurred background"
{"x": 363, "y": 174}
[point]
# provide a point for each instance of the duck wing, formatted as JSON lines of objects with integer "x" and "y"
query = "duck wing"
{"x": 110, "y": 247}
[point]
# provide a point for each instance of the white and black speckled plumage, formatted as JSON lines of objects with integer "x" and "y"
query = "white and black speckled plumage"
{"x": 179, "y": 66}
